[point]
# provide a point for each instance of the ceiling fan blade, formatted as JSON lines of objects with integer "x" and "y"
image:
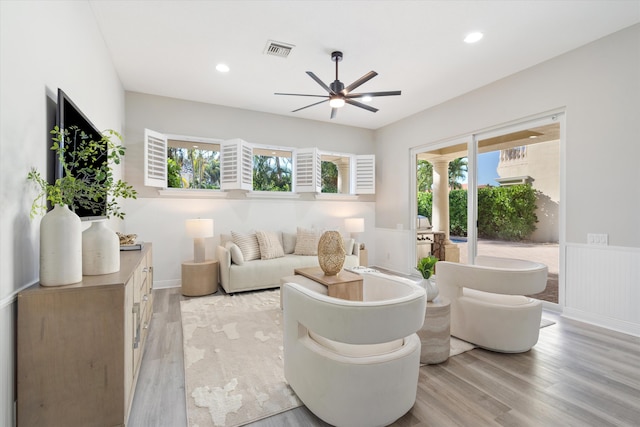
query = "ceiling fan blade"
{"x": 300, "y": 94}
{"x": 320, "y": 82}
{"x": 361, "y": 80}
{"x": 361, "y": 95}
{"x": 361, "y": 105}
{"x": 311, "y": 105}
{"x": 334, "y": 111}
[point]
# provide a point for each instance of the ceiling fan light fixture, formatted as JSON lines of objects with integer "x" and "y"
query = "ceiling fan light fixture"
{"x": 336, "y": 102}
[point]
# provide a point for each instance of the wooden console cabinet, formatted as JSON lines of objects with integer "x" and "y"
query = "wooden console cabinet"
{"x": 80, "y": 346}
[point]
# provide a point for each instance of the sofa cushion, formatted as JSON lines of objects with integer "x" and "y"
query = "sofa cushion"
{"x": 306, "y": 242}
{"x": 289, "y": 242}
{"x": 270, "y": 246}
{"x": 236, "y": 253}
{"x": 248, "y": 244}
{"x": 348, "y": 245}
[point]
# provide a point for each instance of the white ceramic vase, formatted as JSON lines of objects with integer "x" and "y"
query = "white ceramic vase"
{"x": 100, "y": 250}
{"x": 60, "y": 247}
{"x": 431, "y": 288}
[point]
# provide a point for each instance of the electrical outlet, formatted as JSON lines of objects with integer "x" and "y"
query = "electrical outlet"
{"x": 597, "y": 239}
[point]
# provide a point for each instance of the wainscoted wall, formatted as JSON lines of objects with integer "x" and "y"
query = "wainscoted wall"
{"x": 604, "y": 286}
{"x": 162, "y": 222}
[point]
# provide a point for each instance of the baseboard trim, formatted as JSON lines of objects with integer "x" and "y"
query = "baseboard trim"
{"x": 166, "y": 284}
{"x": 602, "y": 321}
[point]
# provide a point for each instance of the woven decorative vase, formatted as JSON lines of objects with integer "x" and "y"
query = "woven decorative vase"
{"x": 331, "y": 253}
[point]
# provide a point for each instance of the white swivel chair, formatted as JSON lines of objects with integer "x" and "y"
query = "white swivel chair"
{"x": 354, "y": 363}
{"x": 488, "y": 303}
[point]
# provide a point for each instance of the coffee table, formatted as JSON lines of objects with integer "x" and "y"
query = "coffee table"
{"x": 343, "y": 285}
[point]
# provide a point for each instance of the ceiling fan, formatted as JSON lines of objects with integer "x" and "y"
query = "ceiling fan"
{"x": 339, "y": 94}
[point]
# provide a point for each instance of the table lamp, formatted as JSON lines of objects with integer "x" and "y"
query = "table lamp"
{"x": 199, "y": 229}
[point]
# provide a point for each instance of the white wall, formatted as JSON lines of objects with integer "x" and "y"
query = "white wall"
{"x": 171, "y": 246}
{"x": 187, "y": 118}
{"x": 599, "y": 89}
{"x": 43, "y": 46}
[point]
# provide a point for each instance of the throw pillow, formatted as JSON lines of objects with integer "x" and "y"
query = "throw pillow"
{"x": 306, "y": 242}
{"x": 248, "y": 244}
{"x": 236, "y": 253}
{"x": 270, "y": 246}
{"x": 348, "y": 246}
{"x": 289, "y": 242}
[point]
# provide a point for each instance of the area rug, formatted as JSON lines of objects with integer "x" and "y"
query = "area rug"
{"x": 233, "y": 359}
{"x": 458, "y": 346}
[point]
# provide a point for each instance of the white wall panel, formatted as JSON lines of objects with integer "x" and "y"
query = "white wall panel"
{"x": 605, "y": 286}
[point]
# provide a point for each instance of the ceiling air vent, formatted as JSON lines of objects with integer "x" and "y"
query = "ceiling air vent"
{"x": 278, "y": 49}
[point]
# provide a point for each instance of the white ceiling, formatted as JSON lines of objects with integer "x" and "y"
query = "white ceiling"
{"x": 171, "y": 48}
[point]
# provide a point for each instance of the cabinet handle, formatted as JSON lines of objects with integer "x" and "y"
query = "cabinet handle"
{"x": 136, "y": 311}
{"x": 145, "y": 270}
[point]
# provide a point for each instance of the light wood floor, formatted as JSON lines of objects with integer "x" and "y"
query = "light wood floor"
{"x": 577, "y": 375}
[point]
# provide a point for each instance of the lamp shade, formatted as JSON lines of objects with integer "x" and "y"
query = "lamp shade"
{"x": 199, "y": 228}
{"x": 354, "y": 225}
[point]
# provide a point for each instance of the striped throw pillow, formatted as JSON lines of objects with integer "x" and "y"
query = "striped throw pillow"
{"x": 248, "y": 244}
{"x": 270, "y": 246}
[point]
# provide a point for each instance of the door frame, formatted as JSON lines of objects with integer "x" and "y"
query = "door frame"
{"x": 472, "y": 139}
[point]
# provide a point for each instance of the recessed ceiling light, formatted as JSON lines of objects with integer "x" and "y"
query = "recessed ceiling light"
{"x": 223, "y": 68}
{"x": 367, "y": 98}
{"x": 473, "y": 37}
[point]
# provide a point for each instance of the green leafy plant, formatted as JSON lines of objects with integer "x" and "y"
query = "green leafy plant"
{"x": 83, "y": 184}
{"x": 426, "y": 266}
{"x": 504, "y": 213}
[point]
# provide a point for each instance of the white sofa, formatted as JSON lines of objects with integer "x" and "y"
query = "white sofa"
{"x": 266, "y": 273}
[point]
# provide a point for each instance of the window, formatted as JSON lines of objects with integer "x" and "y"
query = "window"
{"x": 329, "y": 173}
{"x": 335, "y": 173}
{"x": 194, "y": 165}
{"x": 272, "y": 169}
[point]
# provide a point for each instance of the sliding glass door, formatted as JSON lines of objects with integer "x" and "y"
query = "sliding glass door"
{"x": 506, "y": 202}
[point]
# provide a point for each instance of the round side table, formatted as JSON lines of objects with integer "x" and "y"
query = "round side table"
{"x": 435, "y": 334}
{"x": 199, "y": 278}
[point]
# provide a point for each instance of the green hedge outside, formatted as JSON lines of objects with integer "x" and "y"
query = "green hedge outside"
{"x": 504, "y": 213}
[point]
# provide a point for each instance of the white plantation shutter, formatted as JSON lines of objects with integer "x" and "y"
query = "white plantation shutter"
{"x": 155, "y": 159}
{"x": 236, "y": 165}
{"x": 365, "y": 174}
{"x": 307, "y": 166}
